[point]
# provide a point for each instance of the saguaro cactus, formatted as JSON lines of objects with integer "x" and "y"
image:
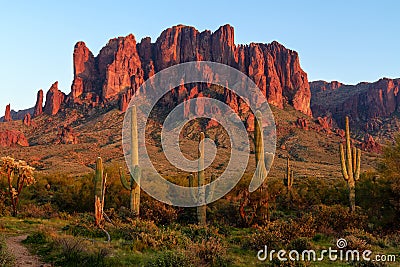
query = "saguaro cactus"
{"x": 288, "y": 181}
{"x": 261, "y": 159}
{"x": 100, "y": 181}
{"x": 350, "y": 161}
{"x": 261, "y": 171}
{"x": 133, "y": 185}
{"x": 203, "y": 196}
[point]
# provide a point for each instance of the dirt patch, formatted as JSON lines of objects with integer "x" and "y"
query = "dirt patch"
{"x": 22, "y": 256}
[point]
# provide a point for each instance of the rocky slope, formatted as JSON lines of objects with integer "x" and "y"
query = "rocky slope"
{"x": 372, "y": 107}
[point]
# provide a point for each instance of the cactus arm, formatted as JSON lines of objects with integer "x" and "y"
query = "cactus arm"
{"x": 358, "y": 164}
{"x": 124, "y": 182}
{"x": 343, "y": 163}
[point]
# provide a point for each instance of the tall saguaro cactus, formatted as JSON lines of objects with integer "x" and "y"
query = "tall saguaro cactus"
{"x": 100, "y": 181}
{"x": 350, "y": 159}
{"x": 261, "y": 171}
{"x": 133, "y": 185}
{"x": 288, "y": 180}
{"x": 261, "y": 159}
{"x": 203, "y": 196}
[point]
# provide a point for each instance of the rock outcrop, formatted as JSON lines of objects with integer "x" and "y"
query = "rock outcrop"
{"x": 38, "y": 110}
{"x": 27, "y": 120}
{"x": 54, "y": 99}
{"x": 66, "y": 135}
{"x": 84, "y": 71}
{"x": 123, "y": 65}
{"x": 369, "y": 144}
{"x": 10, "y": 138}
{"x": 302, "y": 123}
{"x": 326, "y": 123}
{"x": 7, "y": 115}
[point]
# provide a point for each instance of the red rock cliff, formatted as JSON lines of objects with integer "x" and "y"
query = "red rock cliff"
{"x": 38, "y": 110}
{"x": 122, "y": 65}
{"x": 85, "y": 72}
{"x": 54, "y": 99}
{"x": 7, "y": 115}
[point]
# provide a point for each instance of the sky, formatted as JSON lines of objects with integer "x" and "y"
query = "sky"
{"x": 348, "y": 41}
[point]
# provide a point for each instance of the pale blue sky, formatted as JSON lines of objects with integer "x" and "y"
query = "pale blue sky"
{"x": 349, "y": 41}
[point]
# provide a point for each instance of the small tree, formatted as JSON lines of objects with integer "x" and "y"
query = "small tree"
{"x": 18, "y": 174}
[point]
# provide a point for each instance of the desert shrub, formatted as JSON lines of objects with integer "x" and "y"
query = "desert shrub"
{"x": 158, "y": 212}
{"x": 5, "y": 209}
{"x": 280, "y": 233}
{"x": 37, "y": 238}
{"x": 6, "y": 259}
{"x": 335, "y": 219}
{"x": 83, "y": 226}
{"x": 224, "y": 212}
{"x": 375, "y": 195}
{"x": 169, "y": 259}
{"x": 198, "y": 233}
{"x": 356, "y": 243}
{"x": 67, "y": 250}
{"x": 71, "y": 194}
{"x": 211, "y": 251}
{"x": 143, "y": 235}
{"x": 389, "y": 171}
{"x": 300, "y": 244}
{"x": 393, "y": 239}
{"x": 83, "y": 230}
{"x": 74, "y": 252}
{"x": 45, "y": 211}
{"x": 363, "y": 235}
{"x": 315, "y": 191}
{"x": 263, "y": 237}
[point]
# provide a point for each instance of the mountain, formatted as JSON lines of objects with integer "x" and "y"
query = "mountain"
{"x": 123, "y": 65}
{"x": 69, "y": 131}
{"x": 372, "y": 107}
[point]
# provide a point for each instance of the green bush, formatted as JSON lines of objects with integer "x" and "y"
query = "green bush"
{"x": 169, "y": 259}
{"x": 158, "y": 212}
{"x": 198, "y": 233}
{"x": 300, "y": 244}
{"x": 333, "y": 220}
{"x": 37, "y": 238}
